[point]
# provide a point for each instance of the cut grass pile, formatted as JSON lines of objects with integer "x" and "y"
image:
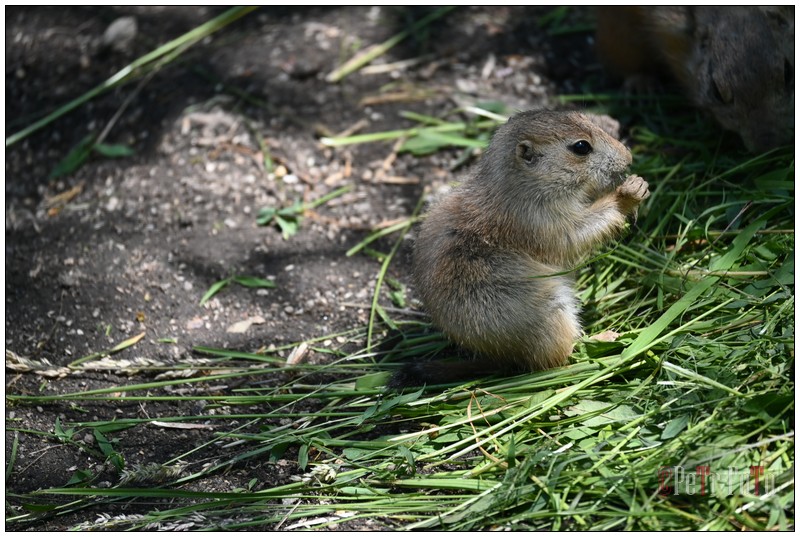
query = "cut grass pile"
{"x": 662, "y": 425}
{"x": 698, "y": 381}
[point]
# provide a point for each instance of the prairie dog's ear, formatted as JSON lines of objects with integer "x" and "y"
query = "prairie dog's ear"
{"x": 607, "y": 124}
{"x": 525, "y": 151}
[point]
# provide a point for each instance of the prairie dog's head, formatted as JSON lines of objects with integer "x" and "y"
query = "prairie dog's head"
{"x": 551, "y": 156}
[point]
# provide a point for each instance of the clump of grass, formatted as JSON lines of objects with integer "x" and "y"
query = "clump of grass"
{"x": 364, "y": 57}
{"x": 246, "y": 281}
{"x": 433, "y": 134}
{"x": 288, "y": 218}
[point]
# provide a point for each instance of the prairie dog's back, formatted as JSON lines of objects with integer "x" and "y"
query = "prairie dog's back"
{"x": 736, "y": 62}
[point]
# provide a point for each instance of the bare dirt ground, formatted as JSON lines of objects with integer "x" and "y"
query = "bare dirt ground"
{"x": 125, "y": 246}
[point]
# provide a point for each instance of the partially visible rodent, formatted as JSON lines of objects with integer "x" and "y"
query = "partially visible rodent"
{"x": 736, "y": 62}
{"x": 492, "y": 258}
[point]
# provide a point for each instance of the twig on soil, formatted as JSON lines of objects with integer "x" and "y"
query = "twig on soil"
{"x": 401, "y": 311}
{"x": 128, "y": 100}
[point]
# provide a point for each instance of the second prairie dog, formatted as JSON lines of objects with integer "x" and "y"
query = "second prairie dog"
{"x": 735, "y": 62}
{"x": 492, "y": 257}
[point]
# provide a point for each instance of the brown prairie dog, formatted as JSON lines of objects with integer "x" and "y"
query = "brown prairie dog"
{"x": 736, "y": 62}
{"x": 490, "y": 258}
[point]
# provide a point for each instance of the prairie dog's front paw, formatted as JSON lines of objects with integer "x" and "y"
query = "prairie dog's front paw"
{"x": 634, "y": 187}
{"x": 631, "y": 192}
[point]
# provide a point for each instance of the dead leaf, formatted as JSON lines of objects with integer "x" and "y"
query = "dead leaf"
{"x": 298, "y": 354}
{"x": 334, "y": 178}
{"x": 194, "y": 323}
{"x": 607, "y": 336}
{"x": 177, "y": 425}
{"x": 242, "y": 326}
{"x": 361, "y": 124}
{"x": 59, "y": 200}
{"x": 396, "y": 180}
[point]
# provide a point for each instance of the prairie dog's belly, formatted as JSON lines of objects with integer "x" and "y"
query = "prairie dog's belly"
{"x": 513, "y": 309}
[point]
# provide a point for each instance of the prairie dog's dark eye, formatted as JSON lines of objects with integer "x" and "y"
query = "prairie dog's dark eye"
{"x": 581, "y": 147}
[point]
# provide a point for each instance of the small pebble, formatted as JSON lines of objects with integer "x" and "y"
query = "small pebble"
{"x": 120, "y": 34}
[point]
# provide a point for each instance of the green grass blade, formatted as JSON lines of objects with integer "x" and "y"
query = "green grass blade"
{"x": 128, "y": 72}
{"x": 365, "y": 57}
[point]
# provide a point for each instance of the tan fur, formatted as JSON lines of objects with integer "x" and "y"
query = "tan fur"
{"x": 736, "y": 62}
{"x": 490, "y": 258}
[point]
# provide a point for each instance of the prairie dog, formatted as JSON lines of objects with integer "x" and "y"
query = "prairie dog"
{"x": 736, "y": 62}
{"x": 491, "y": 260}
